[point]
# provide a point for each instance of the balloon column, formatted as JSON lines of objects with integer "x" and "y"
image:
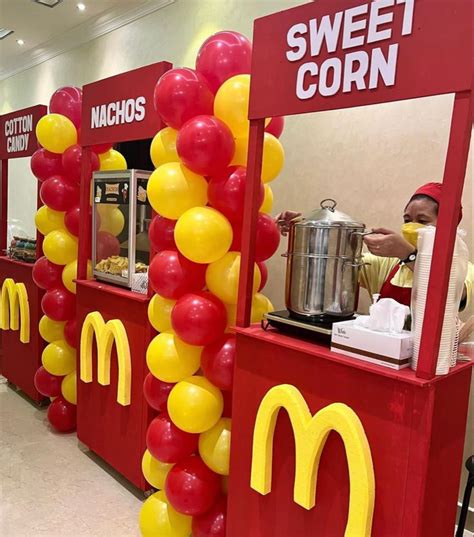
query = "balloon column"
{"x": 57, "y": 165}
{"x": 197, "y": 189}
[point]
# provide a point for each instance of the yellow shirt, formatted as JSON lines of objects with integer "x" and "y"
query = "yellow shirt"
{"x": 373, "y": 276}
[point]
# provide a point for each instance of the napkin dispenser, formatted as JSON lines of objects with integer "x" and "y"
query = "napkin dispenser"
{"x": 393, "y": 350}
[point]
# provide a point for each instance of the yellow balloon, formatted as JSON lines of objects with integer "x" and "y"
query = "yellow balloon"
{"x": 69, "y": 388}
{"x": 159, "y": 313}
{"x": 231, "y": 104}
{"x": 70, "y": 274}
{"x": 273, "y": 157}
{"x": 203, "y": 235}
{"x": 60, "y": 247}
{"x": 267, "y": 204}
{"x": 112, "y": 221}
{"x": 59, "y": 358}
{"x": 56, "y": 132}
{"x": 214, "y": 446}
{"x": 170, "y": 359}
{"x": 112, "y": 160}
{"x": 47, "y": 220}
{"x": 51, "y": 330}
{"x": 173, "y": 189}
{"x": 222, "y": 277}
{"x": 195, "y": 405}
{"x": 163, "y": 147}
{"x": 260, "y": 305}
{"x": 158, "y": 518}
{"x": 155, "y": 471}
{"x": 240, "y": 155}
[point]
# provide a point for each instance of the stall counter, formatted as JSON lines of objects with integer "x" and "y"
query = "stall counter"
{"x": 21, "y": 360}
{"x": 415, "y": 430}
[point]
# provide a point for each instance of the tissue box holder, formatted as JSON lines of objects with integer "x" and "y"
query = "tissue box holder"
{"x": 388, "y": 350}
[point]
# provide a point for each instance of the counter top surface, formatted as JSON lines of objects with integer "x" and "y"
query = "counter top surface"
{"x": 16, "y": 261}
{"x": 309, "y": 347}
{"x": 112, "y": 289}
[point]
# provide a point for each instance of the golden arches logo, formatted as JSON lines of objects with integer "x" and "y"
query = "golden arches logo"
{"x": 106, "y": 333}
{"x": 15, "y": 309}
{"x": 311, "y": 433}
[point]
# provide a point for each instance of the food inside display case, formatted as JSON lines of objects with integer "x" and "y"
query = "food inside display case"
{"x": 120, "y": 218}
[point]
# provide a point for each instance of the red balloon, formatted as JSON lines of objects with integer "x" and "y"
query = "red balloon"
{"x": 47, "y": 275}
{"x": 171, "y": 275}
{"x": 226, "y": 192}
{"x": 276, "y": 126}
{"x": 47, "y": 384}
{"x": 213, "y": 522}
{"x": 59, "y": 304}
{"x": 72, "y": 161}
{"x": 264, "y": 273}
{"x": 191, "y": 487}
{"x": 156, "y": 392}
{"x": 217, "y": 361}
{"x": 58, "y": 194}
{"x": 106, "y": 246}
{"x": 167, "y": 443}
{"x": 227, "y": 412}
{"x": 181, "y": 94}
{"x": 161, "y": 233}
{"x": 199, "y": 318}
{"x": 70, "y": 333}
{"x": 205, "y": 144}
{"x": 68, "y": 102}
{"x": 45, "y": 164}
{"x": 62, "y": 415}
{"x": 222, "y": 56}
{"x": 268, "y": 237}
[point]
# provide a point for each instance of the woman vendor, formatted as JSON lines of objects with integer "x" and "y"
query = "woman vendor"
{"x": 392, "y": 255}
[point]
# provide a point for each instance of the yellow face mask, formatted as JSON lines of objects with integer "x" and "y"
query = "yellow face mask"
{"x": 409, "y": 232}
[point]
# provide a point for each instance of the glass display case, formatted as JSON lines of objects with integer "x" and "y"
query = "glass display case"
{"x": 121, "y": 214}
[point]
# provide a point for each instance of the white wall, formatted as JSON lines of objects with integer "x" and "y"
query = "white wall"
{"x": 370, "y": 159}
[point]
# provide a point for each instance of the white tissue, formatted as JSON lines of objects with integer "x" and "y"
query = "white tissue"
{"x": 387, "y": 315}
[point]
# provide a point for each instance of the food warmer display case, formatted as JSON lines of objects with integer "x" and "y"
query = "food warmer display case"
{"x": 120, "y": 218}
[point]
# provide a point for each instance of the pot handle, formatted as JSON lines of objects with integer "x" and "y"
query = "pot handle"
{"x": 331, "y": 207}
{"x": 363, "y": 233}
{"x": 358, "y": 264}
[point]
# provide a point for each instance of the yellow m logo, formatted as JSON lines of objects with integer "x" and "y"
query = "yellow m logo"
{"x": 311, "y": 433}
{"x": 15, "y": 309}
{"x": 106, "y": 334}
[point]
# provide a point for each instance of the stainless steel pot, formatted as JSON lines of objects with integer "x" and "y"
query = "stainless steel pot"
{"x": 324, "y": 259}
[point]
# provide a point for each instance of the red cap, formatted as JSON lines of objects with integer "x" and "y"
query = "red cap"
{"x": 433, "y": 191}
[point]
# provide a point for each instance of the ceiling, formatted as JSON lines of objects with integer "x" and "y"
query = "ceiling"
{"x": 48, "y": 31}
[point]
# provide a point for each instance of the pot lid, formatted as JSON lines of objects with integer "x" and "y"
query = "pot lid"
{"x": 328, "y": 215}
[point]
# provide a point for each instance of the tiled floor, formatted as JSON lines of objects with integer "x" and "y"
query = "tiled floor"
{"x": 50, "y": 486}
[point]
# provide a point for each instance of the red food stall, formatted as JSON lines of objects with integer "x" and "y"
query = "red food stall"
{"x": 398, "y": 453}
{"x": 112, "y": 418}
{"x": 22, "y": 344}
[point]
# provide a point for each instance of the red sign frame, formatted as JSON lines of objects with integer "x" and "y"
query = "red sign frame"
{"x": 17, "y": 124}
{"x": 422, "y": 49}
{"x": 120, "y": 108}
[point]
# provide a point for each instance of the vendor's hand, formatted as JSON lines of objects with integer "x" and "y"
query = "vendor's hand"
{"x": 283, "y": 221}
{"x": 386, "y": 243}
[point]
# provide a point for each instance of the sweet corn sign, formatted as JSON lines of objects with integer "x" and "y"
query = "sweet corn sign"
{"x": 334, "y": 54}
{"x": 311, "y": 433}
{"x": 15, "y": 309}
{"x": 106, "y": 333}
